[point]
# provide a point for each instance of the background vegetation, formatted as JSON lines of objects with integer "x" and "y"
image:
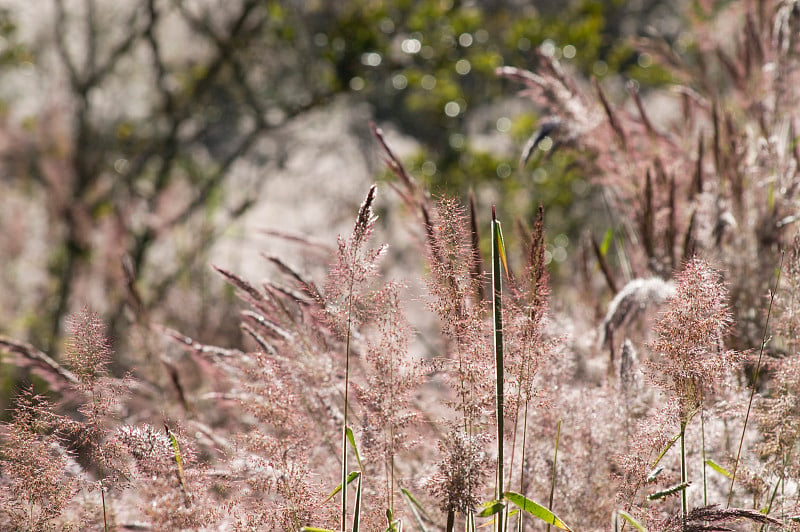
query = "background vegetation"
{"x": 645, "y": 372}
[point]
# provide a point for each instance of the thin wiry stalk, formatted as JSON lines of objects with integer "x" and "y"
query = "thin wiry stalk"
{"x": 703, "y": 444}
{"x": 514, "y": 437}
{"x": 361, "y": 230}
{"x": 346, "y": 405}
{"x": 103, "y": 494}
{"x": 522, "y": 462}
{"x": 357, "y": 509}
{"x": 102, "y": 480}
{"x": 755, "y": 379}
{"x": 391, "y": 443}
{"x": 768, "y": 509}
{"x": 553, "y": 474}
{"x": 497, "y": 250}
{"x": 514, "y": 441}
{"x": 684, "y": 504}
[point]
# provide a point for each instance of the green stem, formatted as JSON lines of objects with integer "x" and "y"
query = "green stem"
{"x": 514, "y": 432}
{"x": 103, "y": 499}
{"x": 346, "y": 405}
{"x": 684, "y": 505}
{"x": 703, "y": 444}
{"x": 102, "y": 475}
{"x": 391, "y": 440}
{"x": 522, "y": 462}
{"x": 498, "y": 350}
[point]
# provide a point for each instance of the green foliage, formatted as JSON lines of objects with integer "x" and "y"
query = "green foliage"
{"x": 427, "y": 65}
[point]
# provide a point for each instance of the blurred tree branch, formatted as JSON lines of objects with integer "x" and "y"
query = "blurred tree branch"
{"x": 155, "y": 170}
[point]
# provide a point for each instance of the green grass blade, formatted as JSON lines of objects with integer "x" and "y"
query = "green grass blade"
{"x": 392, "y": 524}
{"x": 416, "y": 509}
{"x": 535, "y": 509}
{"x": 390, "y": 521}
{"x": 669, "y": 491}
{"x": 491, "y": 508}
{"x": 395, "y": 526}
{"x": 349, "y": 434}
{"x": 315, "y": 529}
{"x": 176, "y": 449}
{"x": 498, "y": 255}
{"x": 629, "y": 518}
{"x": 350, "y": 478}
{"x": 357, "y": 509}
{"x": 718, "y": 468}
{"x": 606, "y": 242}
{"x": 666, "y": 448}
{"x": 501, "y": 247}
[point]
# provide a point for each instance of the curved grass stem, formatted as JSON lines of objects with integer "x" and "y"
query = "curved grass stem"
{"x": 755, "y": 380}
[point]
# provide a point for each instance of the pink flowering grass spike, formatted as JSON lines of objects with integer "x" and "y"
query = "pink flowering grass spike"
{"x": 37, "y": 486}
{"x": 690, "y": 355}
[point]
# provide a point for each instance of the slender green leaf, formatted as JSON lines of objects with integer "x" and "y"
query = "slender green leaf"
{"x": 349, "y": 433}
{"x": 395, "y": 525}
{"x": 501, "y": 247}
{"x": 629, "y": 518}
{"x": 315, "y": 529}
{"x": 666, "y": 448}
{"x": 606, "y": 242}
{"x": 350, "y": 478}
{"x": 176, "y": 449}
{"x": 416, "y": 509}
{"x": 535, "y": 509}
{"x": 357, "y": 509}
{"x": 718, "y": 468}
{"x": 669, "y": 491}
{"x": 491, "y": 508}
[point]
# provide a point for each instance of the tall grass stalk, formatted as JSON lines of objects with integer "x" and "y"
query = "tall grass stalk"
{"x": 103, "y": 498}
{"x": 553, "y": 474}
{"x": 684, "y": 502}
{"x": 522, "y": 462}
{"x": 360, "y": 232}
{"x": 498, "y": 256}
{"x": 451, "y": 520}
{"x": 346, "y": 405}
{"x": 703, "y": 449}
{"x": 755, "y": 379}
